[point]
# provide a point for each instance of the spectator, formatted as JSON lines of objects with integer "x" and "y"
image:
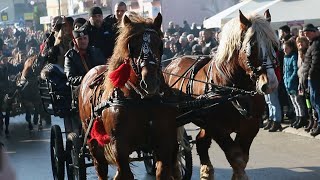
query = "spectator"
{"x": 186, "y": 27}
{"x": 190, "y": 37}
{"x": 303, "y": 44}
{"x": 80, "y": 59}
{"x": 78, "y": 23}
{"x": 171, "y": 28}
{"x": 311, "y": 71}
{"x": 284, "y": 33}
{"x": 295, "y": 32}
{"x": 103, "y": 32}
{"x": 291, "y": 82}
{"x": 208, "y": 39}
{"x": 166, "y": 50}
{"x": 301, "y": 33}
{"x": 194, "y": 30}
{"x": 185, "y": 48}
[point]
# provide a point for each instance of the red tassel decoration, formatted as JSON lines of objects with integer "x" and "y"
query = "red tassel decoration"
{"x": 99, "y": 134}
{"x": 121, "y": 75}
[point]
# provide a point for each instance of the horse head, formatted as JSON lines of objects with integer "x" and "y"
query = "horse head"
{"x": 253, "y": 44}
{"x": 139, "y": 42}
{"x": 258, "y": 52}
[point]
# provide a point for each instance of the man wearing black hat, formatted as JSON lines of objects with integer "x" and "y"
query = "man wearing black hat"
{"x": 284, "y": 33}
{"x": 103, "y": 32}
{"x": 311, "y": 71}
{"x": 81, "y": 58}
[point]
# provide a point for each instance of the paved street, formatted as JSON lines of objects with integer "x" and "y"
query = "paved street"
{"x": 274, "y": 156}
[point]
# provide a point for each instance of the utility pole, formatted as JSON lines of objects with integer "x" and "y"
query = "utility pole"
{"x": 59, "y": 8}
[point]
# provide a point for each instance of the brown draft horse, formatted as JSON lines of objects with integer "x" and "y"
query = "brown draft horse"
{"x": 243, "y": 61}
{"x": 132, "y": 122}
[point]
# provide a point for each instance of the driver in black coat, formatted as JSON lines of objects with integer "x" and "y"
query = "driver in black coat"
{"x": 81, "y": 58}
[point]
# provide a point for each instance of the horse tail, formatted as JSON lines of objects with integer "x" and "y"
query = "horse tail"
{"x": 109, "y": 154}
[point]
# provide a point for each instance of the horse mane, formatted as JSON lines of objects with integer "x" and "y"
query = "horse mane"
{"x": 126, "y": 32}
{"x": 231, "y": 37}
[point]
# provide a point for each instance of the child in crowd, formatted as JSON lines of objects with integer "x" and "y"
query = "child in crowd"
{"x": 291, "y": 81}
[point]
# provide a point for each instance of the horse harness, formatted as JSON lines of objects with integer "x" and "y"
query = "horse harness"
{"x": 206, "y": 101}
{"x": 117, "y": 98}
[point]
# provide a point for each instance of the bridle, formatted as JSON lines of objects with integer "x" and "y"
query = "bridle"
{"x": 146, "y": 55}
{"x": 257, "y": 71}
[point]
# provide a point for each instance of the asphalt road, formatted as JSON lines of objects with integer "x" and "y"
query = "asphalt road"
{"x": 276, "y": 156}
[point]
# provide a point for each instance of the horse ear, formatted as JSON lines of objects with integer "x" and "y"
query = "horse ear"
{"x": 158, "y": 21}
{"x": 126, "y": 20}
{"x": 244, "y": 22}
{"x": 267, "y": 15}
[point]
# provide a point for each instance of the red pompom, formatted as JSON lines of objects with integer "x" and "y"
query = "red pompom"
{"x": 99, "y": 134}
{"x": 121, "y": 75}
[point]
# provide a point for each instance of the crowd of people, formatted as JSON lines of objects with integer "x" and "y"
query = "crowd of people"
{"x": 299, "y": 89}
{"x": 71, "y": 44}
{"x": 188, "y": 40}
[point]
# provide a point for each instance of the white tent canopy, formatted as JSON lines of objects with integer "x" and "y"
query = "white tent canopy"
{"x": 215, "y": 21}
{"x": 290, "y": 12}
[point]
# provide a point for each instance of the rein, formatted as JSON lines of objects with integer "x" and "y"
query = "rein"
{"x": 220, "y": 87}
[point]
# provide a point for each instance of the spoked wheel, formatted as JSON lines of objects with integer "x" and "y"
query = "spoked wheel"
{"x": 57, "y": 153}
{"x": 185, "y": 158}
{"x": 76, "y": 167}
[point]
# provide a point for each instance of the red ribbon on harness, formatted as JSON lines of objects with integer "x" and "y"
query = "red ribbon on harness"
{"x": 121, "y": 75}
{"x": 99, "y": 134}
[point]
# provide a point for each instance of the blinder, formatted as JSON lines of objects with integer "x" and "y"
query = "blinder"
{"x": 146, "y": 55}
{"x": 256, "y": 71}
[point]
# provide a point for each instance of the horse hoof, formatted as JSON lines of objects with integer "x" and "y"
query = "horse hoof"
{"x": 206, "y": 172}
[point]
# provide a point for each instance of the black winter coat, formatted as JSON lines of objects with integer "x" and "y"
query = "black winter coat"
{"x": 104, "y": 38}
{"x": 311, "y": 65}
{"x": 74, "y": 68}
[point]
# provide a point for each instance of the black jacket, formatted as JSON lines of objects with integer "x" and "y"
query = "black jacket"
{"x": 311, "y": 65}
{"x": 74, "y": 68}
{"x": 103, "y": 38}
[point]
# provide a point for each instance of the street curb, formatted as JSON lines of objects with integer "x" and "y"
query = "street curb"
{"x": 300, "y": 131}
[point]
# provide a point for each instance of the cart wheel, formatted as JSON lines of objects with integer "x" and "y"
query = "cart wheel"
{"x": 75, "y": 162}
{"x": 185, "y": 158}
{"x": 57, "y": 153}
{"x": 150, "y": 163}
